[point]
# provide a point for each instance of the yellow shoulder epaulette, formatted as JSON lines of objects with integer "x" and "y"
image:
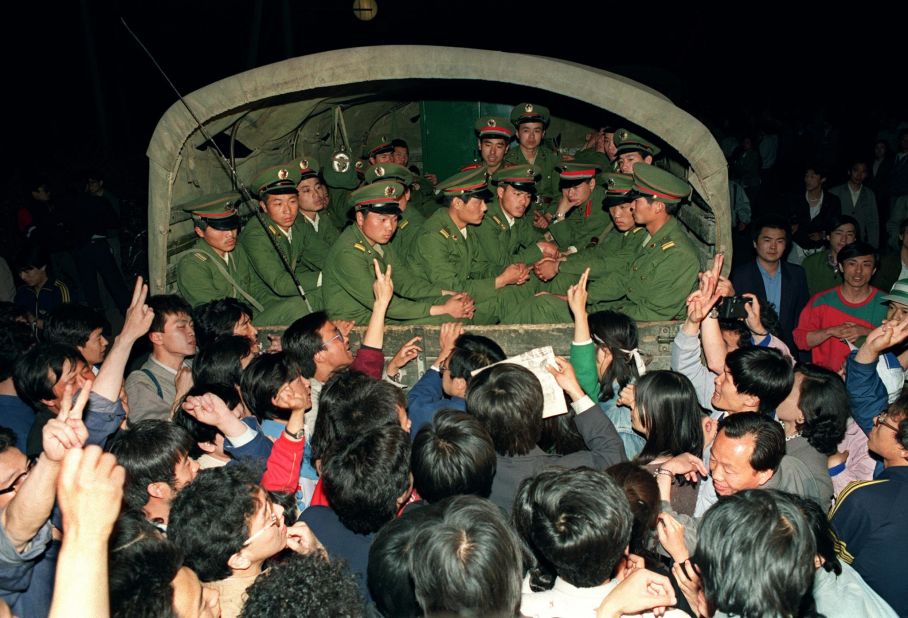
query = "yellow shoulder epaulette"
{"x": 200, "y": 256}
{"x": 497, "y": 221}
{"x": 402, "y": 225}
{"x": 668, "y": 245}
{"x": 637, "y": 229}
{"x": 359, "y": 246}
{"x": 444, "y": 232}
{"x": 272, "y": 230}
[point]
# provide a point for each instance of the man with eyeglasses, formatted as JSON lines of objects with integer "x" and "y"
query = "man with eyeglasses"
{"x": 227, "y": 527}
{"x": 869, "y": 516}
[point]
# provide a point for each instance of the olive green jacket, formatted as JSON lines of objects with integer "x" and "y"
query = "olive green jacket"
{"x": 349, "y": 274}
{"x": 408, "y": 229}
{"x": 500, "y": 244}
{"x": 546, "y": 160}
{"x": 582, "y": 223}
{"x": 659, "y": 278}
{"x": 271, "y": 282}
{"x": 451, "y": 262}
{"x": 199, "y": 279}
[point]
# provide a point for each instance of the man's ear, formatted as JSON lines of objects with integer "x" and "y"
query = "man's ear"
{"x": 156, "y": 338}
{"x": 764, "y": 475}
{"x": 159, "y": 489}
{"x": 207, "y": 447}
{"x": 199, "y": 232}
{"x": 751, "y": 400}
{"x": 460, "y": 385}
{"x": 238, "y": 562}
{"x": 592, "y": 183}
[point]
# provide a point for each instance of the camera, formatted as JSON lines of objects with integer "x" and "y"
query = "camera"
{"x": 732, "y": 307}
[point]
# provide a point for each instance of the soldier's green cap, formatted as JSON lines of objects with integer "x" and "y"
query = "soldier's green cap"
{"x": 388, "y": 171}
{"x": 617, "y": 187}
{"x": 339, "y": 172}
{"x": 573, "y": 173}
{"x": 466, "y": 185}
{"x": 593, "y": 156}
{"x": 218, "y": 211}
{"x": 625, "y": 141}
{"x": 382, "y": 196}
{"x": 655, "y": 183}
{"x": 529, "y": 112}
{"x": 304, "y": 167}
{"x": 277, "y": 180}
{"x": 494, "y": 127}
{"x": 521, "y": 177}
{"x": 380, "y": 144}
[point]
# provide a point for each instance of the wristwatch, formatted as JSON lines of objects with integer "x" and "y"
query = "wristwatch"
{"x": 296, "y": 435}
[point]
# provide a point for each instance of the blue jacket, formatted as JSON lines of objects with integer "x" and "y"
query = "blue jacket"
{"x": 426, "y": 398}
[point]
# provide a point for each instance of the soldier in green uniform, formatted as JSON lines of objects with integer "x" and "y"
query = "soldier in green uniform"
{"x": 350, "y": 269}
{"x": 340, "y": 178}
{"x": 580, "y": 216}
{"x": 664, "y": 270}
{"x": 448, "y": 255}
{"x": 380, "y": 150}
{"x": 422, "y": 188}
{"x": 410, "y": 219}
{"x": 493, "y": 135}
{"x": 531, "y": 122}
{"x": 632, "y": 149}
{"x": 611, "y": 252}
{"x": 319, "y": 232}
{"x": 279, "y": 201}
{"x": 506, "y": 235}
{"x": 215, "y": 267}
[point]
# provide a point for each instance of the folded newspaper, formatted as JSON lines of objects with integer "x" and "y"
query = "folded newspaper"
{"x": 536, "y": 361}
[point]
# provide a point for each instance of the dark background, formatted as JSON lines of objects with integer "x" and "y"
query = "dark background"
{"x": 82, "y": 94}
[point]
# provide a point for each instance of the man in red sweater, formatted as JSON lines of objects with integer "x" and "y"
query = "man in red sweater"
{"x": 840, "y": 317}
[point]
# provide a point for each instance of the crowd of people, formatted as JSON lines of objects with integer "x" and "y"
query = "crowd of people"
{"x": 186, "y": 466}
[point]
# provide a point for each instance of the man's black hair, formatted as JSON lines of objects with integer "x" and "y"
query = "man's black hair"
{"x": 771, "y": 221}
{"x": 739, "y": 328}
{"x": 220, "y": 363}
{"x": 365, "y": 479}
{"x": 72, "y": 324}
{"x": 577, "y": 520}
{"x": 261, "y": 381}
{"x": 480, "y": 344}
{"x": 304, "y": 586}
{"x": 7, "y": 438}
{"x": 768, "y": 436}
{"x": 462, "y": 363}
{"x": 350, "y": 403}
{"x": 149, "y": 451}
{"x": 203, "y": 432}
{"x": 143, "y": 565}
{"x": 822, "y": 532}
{"x": 825, "y": 404}
{"x": 761, "y": 372}
{"x": 165, "y": 305}
{"x": 217, "y": 319}
{"x": 857, "y": 249}
{"x": 467, "y": 564}
{"x": 838, "y": 220}
{"x": 642, "y": 493}
{"x": 507, "y": 400}
{"x": 11, "y": 312}
{"x": 34, "y": 255}
{"x": 453, "y": 455}
{"x": 388, "y": 574}
{"x": 209, "y": 519}
{"x": 16, "y": 339}
{"x": 817, "y": 168}
{"x": 766, "y": 574}
{"x": 40, "y": 368}
{"x": 398, "y": 142}
{"x": 302, "y": 341}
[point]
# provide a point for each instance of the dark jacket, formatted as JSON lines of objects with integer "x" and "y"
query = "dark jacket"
{"x": 747, "y": 279}
{"x": 799, "y": 211}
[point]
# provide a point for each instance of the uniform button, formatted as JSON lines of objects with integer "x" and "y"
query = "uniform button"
{"x": 635, "y": 269}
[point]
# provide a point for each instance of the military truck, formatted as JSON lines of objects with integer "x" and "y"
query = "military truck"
{"x": 337, "y": 101}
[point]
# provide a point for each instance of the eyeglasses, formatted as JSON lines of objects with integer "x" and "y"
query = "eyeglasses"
{"x": 273, "y": 520}
{"x": 18, "y": 480}
{"x": 338, "y": 336}
{"x": 880, "y": 420}
{"x": 442, "y": 367}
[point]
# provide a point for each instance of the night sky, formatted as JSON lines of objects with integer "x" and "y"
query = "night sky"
{"x": 81, "y": 91}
